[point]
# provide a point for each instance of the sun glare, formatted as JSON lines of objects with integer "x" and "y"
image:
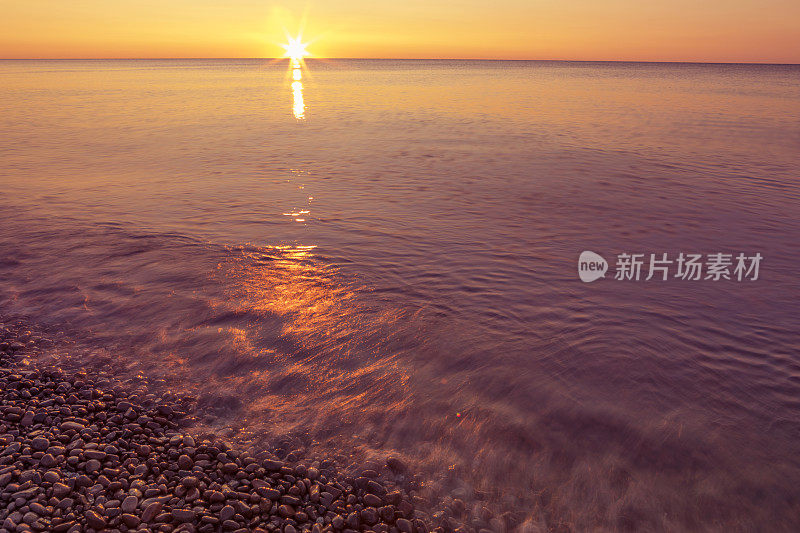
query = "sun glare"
{"x": 295, "y": 48}
{"x": 296, "y": 52}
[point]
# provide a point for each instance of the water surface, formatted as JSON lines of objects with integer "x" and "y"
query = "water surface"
{"x": 388, "y": 265}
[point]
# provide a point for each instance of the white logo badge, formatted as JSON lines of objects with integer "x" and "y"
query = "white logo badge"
{"x": 591, "y": 266}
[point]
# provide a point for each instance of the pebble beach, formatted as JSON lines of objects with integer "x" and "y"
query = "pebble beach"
{"x": 75, "y": 457}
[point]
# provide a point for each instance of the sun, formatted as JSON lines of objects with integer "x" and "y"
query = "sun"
{"x": 295, "y": 48}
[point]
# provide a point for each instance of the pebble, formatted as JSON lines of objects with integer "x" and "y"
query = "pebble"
{"x": 92, "y": 466}
{"x": 404, "y": 525}
{"x": 183, "y": 515}
{"x": 396, "y": 465}
{"x": 151, "y": 511}
{"x": 95, "y": 521}
{"x": 96, "y": 455}
{"x": 129, "y": 504}
{"x": 372, "y": 500}
{"x": 60, "y": 490}
{"x": 185, "y": 462}
{"x": 27, "y": 419}
{"x": 226, "y": 513}
{"x": 40, "y": 444}
{"x": 130, "y": 520}
{"x": 67, "y": 426}
{"x": 369, "y": 515}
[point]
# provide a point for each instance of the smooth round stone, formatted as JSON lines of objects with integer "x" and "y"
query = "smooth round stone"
{"x": 66, "y": 426}
{"x": 95, "y": 454}
{"x": 95, "y": 521}
{"x": 352, "y": 520}
{"x": 60, "y": 490}
{"x": 151, "y": 511}
{"x": 129, "y": 504}
{"x": 404, "y": 525}
{"x": 130, "y": 520}
{"x": 183, "y": 515}
{"x": 215, "y": 496}
{"x": 230, "y": 525}
{"x": 92, "y": 466}
{"x": 40, "y": 444}
{"x": 369, "y": 515}
{"x": 39, "y": 509}
{"x": 372, "y": 500}
{"x": 226, "y": 513}
{"x": 396, "y": 465}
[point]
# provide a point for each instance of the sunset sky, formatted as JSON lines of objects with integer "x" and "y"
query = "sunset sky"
{"x": 675, "y": 30}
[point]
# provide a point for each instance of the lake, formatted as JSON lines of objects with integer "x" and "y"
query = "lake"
{"x": 371, "y": 258}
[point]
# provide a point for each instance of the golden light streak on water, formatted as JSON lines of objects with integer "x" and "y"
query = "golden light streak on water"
{"x": 289, "y": 282}
{"x": 298, "y": 104}
{"x": 320, "y": 316}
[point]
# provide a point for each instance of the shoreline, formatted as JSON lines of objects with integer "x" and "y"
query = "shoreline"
{"x": 75, "y": 456}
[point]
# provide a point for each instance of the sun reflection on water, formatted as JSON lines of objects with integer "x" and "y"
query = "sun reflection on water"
{"x": 304, "y": 354}
{"x": 298, "y": 103}
{"x": 289, "y": 282}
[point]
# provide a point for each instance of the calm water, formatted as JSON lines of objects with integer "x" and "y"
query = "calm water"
{"x": 381, "y": 258}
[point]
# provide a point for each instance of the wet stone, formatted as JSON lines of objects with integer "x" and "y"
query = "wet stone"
{"x": 92, "y": 466}
{"x": 95, "y": 521}
{"x": 67, "y": 426}
{"x": 27, "y": 418}
{"x": 129, "y": 504}
{"x": 369, "y": 515}
{"x": 372, "y": 500}
{"x": 151, "y": 511}
{"x": 404, "y": 525}
{"x": 183, "y": 515}
{"x": 215, "y": 496}
{"x": 185, "y": 462}
{"x": 130, "y": 520}
{"x": 40, "y": 444}
{"x": 95, "y": 454}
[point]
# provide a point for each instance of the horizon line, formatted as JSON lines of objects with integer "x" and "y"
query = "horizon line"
{"x": 672, "y": 61}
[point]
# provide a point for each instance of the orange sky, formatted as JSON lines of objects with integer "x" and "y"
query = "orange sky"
{"x": 655, "y": 30}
